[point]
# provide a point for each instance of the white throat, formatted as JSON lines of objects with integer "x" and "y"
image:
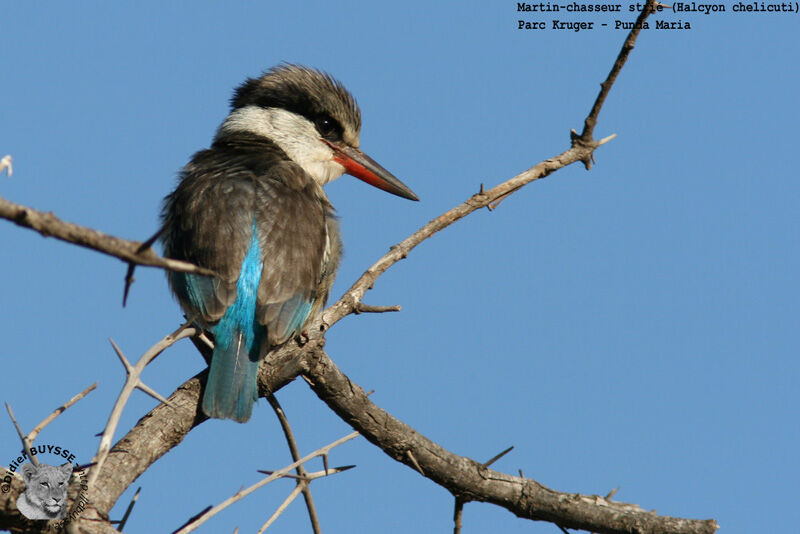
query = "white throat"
{"x": 293, "y": 133}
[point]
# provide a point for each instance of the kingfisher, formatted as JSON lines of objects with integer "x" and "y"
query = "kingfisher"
{"x": 252, "y": 209}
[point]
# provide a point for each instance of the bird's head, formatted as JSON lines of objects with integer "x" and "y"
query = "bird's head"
{"x": 313, "y": 119}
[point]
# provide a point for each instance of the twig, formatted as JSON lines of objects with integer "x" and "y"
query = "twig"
{"x": 348, "y": 303}
{"x": 58, "y": 411}
{"x": 366, "y": 308}
{"x": 457, "y": 514}
{"x": 26, "y": 444}
{"x": 605, "y": 87}
{"x": 202, "y": 518}
{"x": 282, "y": 508}
{"x": 133, "y": 381}
{"x": 302, "y": 481}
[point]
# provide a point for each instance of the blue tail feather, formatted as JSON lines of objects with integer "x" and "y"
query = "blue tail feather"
{"x": 231, "y": 389}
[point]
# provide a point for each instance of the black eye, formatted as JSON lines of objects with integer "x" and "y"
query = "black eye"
{"x": 327, "y": 127}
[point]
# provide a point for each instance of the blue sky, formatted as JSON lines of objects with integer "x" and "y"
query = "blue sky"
{"x": 634, "y": 326}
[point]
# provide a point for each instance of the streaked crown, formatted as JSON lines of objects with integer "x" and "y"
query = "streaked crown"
{"x": 308, "y": 92}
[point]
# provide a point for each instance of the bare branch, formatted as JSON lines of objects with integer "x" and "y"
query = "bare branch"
{"x": 49, "y": 225}
{"x": 605, "y": 87}
{"x": 472, "y": 481}
{"x": 297, "y": 489}
{"x": 133, "y": 381}
{"x": 282, "y": 508}
{"x": 58, "y": 411}
{"x": 247, "y": 491}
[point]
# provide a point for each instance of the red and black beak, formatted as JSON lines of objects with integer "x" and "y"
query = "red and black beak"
{"x": 363, "y": 167}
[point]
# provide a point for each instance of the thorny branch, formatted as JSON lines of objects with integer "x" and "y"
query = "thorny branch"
{"x": 298, "y": 488}
{"x": 133, "y": 381}
{"x": 469, "y": 480}
{"x": 322, "y": 451}
{"x": 166, "y": 426}
{"x": 49, "y": 225}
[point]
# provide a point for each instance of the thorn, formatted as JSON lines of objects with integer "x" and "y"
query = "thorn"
{"x": 612, "y": 493}
{"x": 122, "y": 358}
{"x": 493, "y": 206}
{"x": 521, "y": 474}
{"x": 147, "y": 389}
{"x": 129, "y": 280}
{"x": 121, "y": 522}
{"x": 345, "y": 467}
{"x": 606, "y": 139}
{"x": 325, "y": 463}
{"x": 310, "y": 476}
{"x": 414, "y": 462}
{"x": 370, "y": 392}
{"x": 498, "y": 456}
